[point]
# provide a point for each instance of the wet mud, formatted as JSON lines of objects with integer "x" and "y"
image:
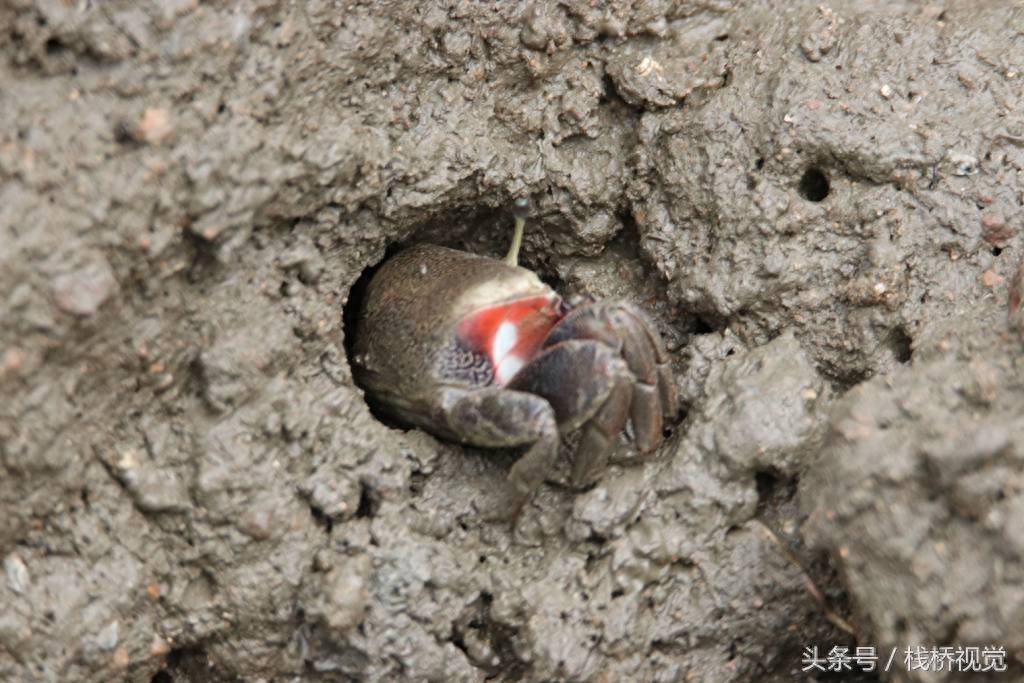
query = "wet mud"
{"x": 819, "y": 206}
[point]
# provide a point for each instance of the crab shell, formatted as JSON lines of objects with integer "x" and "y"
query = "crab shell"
{"x": 436, "y": 316}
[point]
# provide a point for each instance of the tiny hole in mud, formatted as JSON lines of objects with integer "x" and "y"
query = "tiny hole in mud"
{"x": 368, "y": 503}
{"x": 321, "y": 519}
{"x": 814, "y": 186}
{"x": 774, "y": 488}
{"x": 190, "y": 662}
{"x": 901, "y": 345}
{"x": 996, "y": 251}
{"x": 608, "y": 91}
{"x": 124, "y": 133}
{"x": 703, "y": 325}
{"x": 54, "y": 46}
{"x": 767, "y": 481}
{"x": 417, "y": 480}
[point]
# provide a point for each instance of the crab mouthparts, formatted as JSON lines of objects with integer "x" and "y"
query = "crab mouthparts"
{"x": 510, "y": 334}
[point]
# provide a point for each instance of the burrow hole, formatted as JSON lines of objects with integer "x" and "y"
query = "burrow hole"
{"x": 901, "y": 345}
{"x": 814, "y": 185}
{"x": 350, "y": 324}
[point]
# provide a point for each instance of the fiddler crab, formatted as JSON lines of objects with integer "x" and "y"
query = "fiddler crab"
{"x": 480, "y": 351}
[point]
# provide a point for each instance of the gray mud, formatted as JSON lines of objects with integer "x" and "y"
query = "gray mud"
{"x": 821, "y": 208}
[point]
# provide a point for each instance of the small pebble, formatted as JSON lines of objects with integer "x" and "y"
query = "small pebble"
{"x": 82, "y": 291}
{"x": 994, "y": 229}
{"x": 107, "y": 638}
{"x": 155, "y": 126}
{"x": 17, "y": 573}
{"x": 159, "y": 647}
{"x": 990, "y": 279}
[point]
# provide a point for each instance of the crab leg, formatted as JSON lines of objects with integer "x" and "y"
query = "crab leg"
{"x": 666, "y": 386}
{"x": 496, "y": 417}
{"x": 588, "y": 385}
{"x": 599, "y": 434}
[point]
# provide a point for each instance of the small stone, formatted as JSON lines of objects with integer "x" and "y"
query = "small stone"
{"x": 346, "y": 593}
{"x": 457, "y": 44}
{"x": 155, "y": 126}
{"x": 156, "y": 489}
{"x": 107, "y": 638}
{"x": 18, "y": 577}
{"x": 821, "y": 35}
{"x": 306, "y": 261}
{"x": 159, "y": 647}
{"x": 990, "y": 279}
{"x": 121, "y": 658}
{"x": 82, "y": 291}
{"x": 1013, "y": 301}
{"x": 163, "y": 382}
{"x": 257, "y": 523}
{"x": 11, "y": 362}
{"x": 994, "y": 229}
{"x": 983, "y": 385}
{"x": 129, "y": 460}
{"x": 321, "y": 561}
{"x": 885, "y": 91}
{"x": 963, "y": 164}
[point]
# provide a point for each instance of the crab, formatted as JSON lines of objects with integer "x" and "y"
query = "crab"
{"x": 480, "y": 351}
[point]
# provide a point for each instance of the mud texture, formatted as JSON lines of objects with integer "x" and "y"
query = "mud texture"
{"x": 820, "y": 207}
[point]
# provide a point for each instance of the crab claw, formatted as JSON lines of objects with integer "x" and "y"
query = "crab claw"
{"x": 624, "y": 327}
{"x": 601, "y": 365}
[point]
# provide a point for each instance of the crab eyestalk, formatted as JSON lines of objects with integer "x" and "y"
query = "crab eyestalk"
{"x": 520, "y": 210}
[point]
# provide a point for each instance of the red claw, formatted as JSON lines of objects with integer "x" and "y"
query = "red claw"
{"x": 510, "y": 334}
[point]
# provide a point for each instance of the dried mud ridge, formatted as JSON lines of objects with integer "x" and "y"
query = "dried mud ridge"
{"x": 820, "y": 207}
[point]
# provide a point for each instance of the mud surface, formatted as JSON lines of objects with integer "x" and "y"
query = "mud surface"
{"x": 819, "y": 206}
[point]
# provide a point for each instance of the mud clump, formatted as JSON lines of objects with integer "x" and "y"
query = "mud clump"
{"x": 950, "y": 428}
{"x": 815, "y": 205}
